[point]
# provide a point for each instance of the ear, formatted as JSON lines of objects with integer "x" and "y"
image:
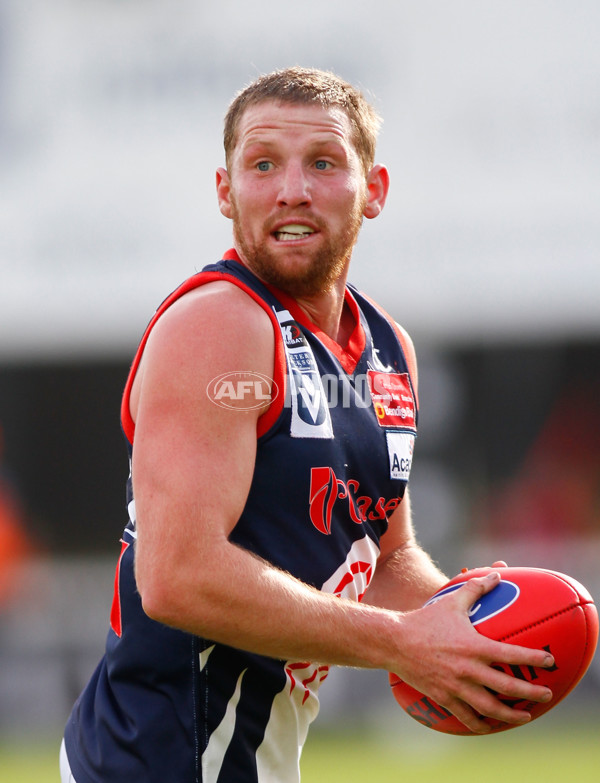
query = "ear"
{"x": 378, "y": 184}
{"x": 223, "y": 192}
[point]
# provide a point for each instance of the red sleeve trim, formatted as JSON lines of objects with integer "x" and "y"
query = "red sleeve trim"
{"x": 268, "y": 419}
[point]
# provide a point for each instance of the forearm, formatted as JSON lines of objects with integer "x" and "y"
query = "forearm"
{"x": 405, "y": 579}
{"x": 435, "y": 649}
{"x": 240, "y": 600}
{"x": 215, "y": 589}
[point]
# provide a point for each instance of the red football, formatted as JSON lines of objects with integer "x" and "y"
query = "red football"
{"x": 531, "y": 607}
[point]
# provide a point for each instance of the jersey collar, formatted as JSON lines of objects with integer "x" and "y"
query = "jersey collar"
{"x": 349, "y": 354}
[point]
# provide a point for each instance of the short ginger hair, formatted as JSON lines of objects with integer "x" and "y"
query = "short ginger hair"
{"x": 308, "y": 86}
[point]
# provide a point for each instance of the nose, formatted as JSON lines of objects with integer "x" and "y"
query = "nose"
{"x": 294, "y": 188}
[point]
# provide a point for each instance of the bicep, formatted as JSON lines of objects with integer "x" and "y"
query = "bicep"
{"x": 188, "y": 451}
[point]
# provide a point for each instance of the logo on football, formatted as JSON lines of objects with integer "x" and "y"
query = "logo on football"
{"x": 489, "y": 605}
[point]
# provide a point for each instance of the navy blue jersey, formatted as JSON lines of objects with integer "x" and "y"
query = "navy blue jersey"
{"x": 333, "y": 460}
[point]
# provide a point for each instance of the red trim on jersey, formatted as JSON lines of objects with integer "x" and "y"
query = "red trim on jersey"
{"x": 267, "y": 419}
{"x": 348, "y": 355}
{"x": 115, "y": 611}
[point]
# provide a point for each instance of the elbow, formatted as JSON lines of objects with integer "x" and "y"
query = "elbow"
{"x": 181, "y": 590}
{"x": 156, "y": 594}
{"x": 155, "y": 606}
{"x": 166, "y": 597}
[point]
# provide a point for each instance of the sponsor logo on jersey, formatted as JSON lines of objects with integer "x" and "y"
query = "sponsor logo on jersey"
{"x": 400, "y": 451}
{"x": 490, "y": 604}
{"x": 393, "y": 399}
{"x": 292, "y": 335}
{"x": 326, "y": 490}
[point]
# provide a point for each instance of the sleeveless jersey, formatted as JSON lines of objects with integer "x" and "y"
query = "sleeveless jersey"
{"x": 333, "y": 460}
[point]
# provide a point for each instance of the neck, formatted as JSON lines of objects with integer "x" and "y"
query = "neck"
{"x": 329, "y": 313}
{"x": 327, "y": 310}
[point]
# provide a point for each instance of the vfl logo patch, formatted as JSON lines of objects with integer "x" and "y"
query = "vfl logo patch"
{"x": 310, "y": 412}
{"x": 490, "y": 604}
{"x": 311, "y": 405}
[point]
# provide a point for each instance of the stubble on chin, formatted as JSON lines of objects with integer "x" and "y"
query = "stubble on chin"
{"x": 311, "y": 277}
{"x": 301, "y": 279}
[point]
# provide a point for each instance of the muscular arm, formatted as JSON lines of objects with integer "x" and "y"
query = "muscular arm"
{"x": 192, "y": 469}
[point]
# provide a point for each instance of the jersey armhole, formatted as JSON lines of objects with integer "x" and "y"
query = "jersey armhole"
{"x": 407, "y": 346}
{"x": 267, "y": 419}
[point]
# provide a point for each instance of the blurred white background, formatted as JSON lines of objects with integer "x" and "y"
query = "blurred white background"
{"x": 110, "y": 123}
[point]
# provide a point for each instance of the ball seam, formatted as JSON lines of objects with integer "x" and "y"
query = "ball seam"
{"x": 539, "y": 622}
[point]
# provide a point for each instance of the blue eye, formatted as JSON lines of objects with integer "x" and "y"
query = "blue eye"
{"x": 264, "y": 165}
{"x": 322, "y": 165}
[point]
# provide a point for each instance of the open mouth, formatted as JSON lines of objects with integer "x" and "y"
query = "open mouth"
{"x": 292, "y": 231}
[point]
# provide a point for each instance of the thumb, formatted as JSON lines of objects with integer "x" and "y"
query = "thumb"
{"x": 475, "y": 588}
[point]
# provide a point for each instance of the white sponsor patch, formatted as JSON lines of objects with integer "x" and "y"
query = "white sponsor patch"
{"x": 310, "y": 411}
{"x": 400, "y": 449}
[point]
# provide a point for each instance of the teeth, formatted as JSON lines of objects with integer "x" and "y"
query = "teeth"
{"x": 293, "y": 231}
{"x": 282, "y": 236}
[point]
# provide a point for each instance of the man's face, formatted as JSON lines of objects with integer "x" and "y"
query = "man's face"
{"x": 296, "y": 193}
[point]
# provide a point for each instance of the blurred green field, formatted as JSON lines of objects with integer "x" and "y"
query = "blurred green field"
{"x": 22, "y": 763}
{"x": 550, "y": 757}
{"x": 545, "y": 751}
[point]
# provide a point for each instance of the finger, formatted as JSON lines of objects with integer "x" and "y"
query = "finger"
{"x": 509, "y": 686}
{"x": 486, "y": 704}
{"x": 514, "y": 655}
{"x": 500, "y": 564}
{"x": 468, "y": 716}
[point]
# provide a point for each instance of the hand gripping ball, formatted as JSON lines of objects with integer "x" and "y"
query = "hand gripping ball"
{"x": 530, "y": 607}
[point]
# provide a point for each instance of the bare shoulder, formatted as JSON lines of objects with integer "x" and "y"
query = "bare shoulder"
{"x": 215, "y": 307}
{"x": 214, "y": 329}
